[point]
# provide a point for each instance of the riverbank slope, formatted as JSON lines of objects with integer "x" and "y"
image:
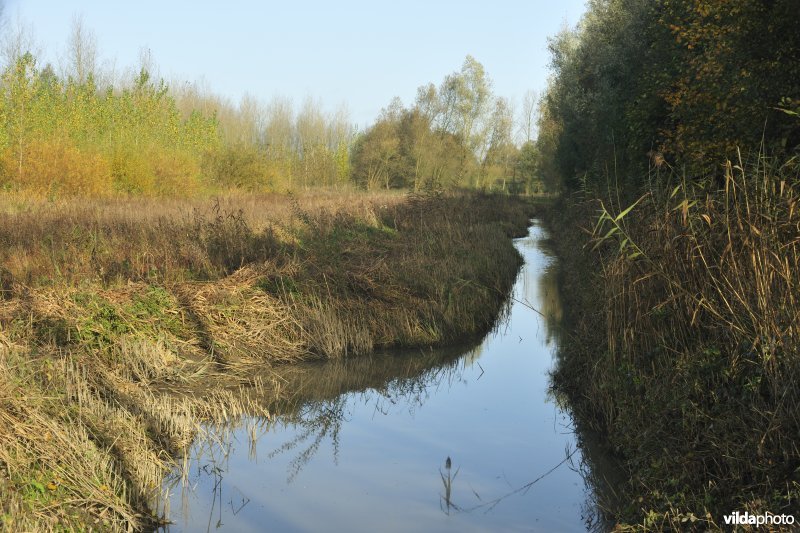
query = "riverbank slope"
{"x": 126, "y": 325}
{"x": 682, "y": 349}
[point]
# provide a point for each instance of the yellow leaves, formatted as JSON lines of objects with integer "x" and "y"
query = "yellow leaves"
{"x": 56, "y": 166}
{"x": 703, "y": 10}
{"x": 63, "y": 138}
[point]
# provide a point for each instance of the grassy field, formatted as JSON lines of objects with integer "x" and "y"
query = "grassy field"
{"x": 128, "y": 323}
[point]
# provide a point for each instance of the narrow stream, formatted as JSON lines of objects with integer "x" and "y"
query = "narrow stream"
{"x": 367, "y": 444}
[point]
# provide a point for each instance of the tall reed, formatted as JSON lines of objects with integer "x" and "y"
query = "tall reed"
{"x": 694, "y": 378}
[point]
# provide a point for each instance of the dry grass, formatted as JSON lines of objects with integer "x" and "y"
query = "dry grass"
{"x": 128, "y": 324}
{"x": 112, "y": 241}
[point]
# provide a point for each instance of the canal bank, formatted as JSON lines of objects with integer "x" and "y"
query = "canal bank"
{"x": 466, "y": 439}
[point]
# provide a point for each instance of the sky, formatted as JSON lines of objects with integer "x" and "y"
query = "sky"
{"x": 359, "y": 54}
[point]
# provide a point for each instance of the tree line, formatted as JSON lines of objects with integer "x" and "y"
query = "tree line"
{"x": 688, "y": 83}
{"x": 80, "y": 129}
{"x": 456, "y": 134}
{"x": 76, "y": 128}
{"x": 673, "y": 129}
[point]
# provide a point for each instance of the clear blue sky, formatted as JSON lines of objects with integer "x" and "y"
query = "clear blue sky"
{"x": 361, "y": 53}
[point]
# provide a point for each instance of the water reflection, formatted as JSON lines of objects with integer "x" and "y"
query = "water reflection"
{"x": 359, "y": 444}
{"x": 323, "y": 393}
{"x": 596, "y": 464}
{"x": 446, "y": 502}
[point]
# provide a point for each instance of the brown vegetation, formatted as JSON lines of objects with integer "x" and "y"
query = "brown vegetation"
{"x": 126, "y": 323}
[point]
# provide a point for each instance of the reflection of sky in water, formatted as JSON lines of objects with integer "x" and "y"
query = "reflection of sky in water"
{"x": 380, "y": 451}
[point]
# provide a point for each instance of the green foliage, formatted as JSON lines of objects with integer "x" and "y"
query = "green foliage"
{"x": 59, "y": 136}
{"x": 243, "y": 167}
{"x": 155, "y": 309}
{"x": 698, "y": 295}
{"x": 737, "y": 61}
{"x": 101, "y": 323}
{"x": 640, "y": 84}
{"x": 694, "y": 280}
{"x": 458, "y": 135}
{"x": 527, "y": 168}
{"x": 74, "y": 135}
{"x": 278, "y": 285}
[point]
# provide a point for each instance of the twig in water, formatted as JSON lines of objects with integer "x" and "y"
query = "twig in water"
{"x": 491, "y": 504}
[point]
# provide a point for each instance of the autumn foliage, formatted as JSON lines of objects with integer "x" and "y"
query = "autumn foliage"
{"x": 67, "y": 135}
{"x": 674, "y": 125}
{"x": 683, "y": 82}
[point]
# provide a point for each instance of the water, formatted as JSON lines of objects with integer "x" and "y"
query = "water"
{"x": 364, "y": 445}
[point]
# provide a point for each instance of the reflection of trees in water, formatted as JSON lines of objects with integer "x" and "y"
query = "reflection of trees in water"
{"x": 385, "y": 381}
{"x": 215, "y": 448}
{"x": 315, "y": 421}
{"x": 539, "y": 288}
{"x": 316, "y": 399}
{"x": 601, "y": 474}
{"x": 550, "y": 302}
{"x": 597, "y": 467}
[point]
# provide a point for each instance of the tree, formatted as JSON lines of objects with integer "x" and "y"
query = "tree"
{"x": 474, "y": 97}
{"x": 279, "y": 137}
{"x": 498, "y": 159}
{"x": 373, "y": 155}
{"x": 527, "y": 168}
{"x": 427, "y": 102}
{"x": 17, "y": 42}
{"x": 527, "y": 119}
{"x": 690, "y": 80}
{"x": 417, "y": 149}
{"x": 81, "y": 52}
{"x": 19, "y": 91}
{"x": 458, "y": 134}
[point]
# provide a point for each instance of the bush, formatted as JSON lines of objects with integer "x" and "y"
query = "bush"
{"x": 55, "y": 167}
{"x": 243, "y": 167}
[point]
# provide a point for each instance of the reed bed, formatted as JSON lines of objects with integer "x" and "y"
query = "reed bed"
{"x": 686, "y": 351}
{"x": 128, "y": 324}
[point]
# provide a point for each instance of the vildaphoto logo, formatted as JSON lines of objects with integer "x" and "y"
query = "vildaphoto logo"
{"x": 767, "y": 519}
